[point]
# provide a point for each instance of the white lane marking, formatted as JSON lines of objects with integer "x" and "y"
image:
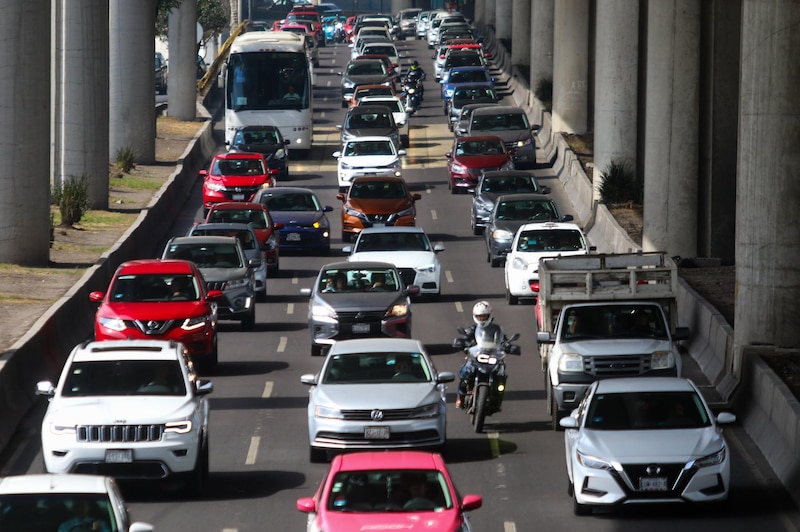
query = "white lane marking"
{"x": 295, "y": 279}
{"x": 267, "y": 393}
{"x": 459, "y": 308}
{"x": 230, "y": 530}
{"x": 252, "y": 452}
{"x": 448, "y": 276}
{"x": 282, "y": 344}
{"x": 433, "y": 214}
{"x": 494, "y": 443}
{"x": 509, "y": 526}
{"x": 290, "y": 308}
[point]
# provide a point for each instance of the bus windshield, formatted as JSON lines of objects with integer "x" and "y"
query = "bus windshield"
{"x": 267, "y": 80}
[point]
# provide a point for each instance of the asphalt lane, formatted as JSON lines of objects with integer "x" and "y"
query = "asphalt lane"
{"x": 258, "y": 438}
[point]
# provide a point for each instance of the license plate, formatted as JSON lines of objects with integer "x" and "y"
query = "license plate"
{"x": 378, "y": 225}
{"x": 238, "y": 197}
{"x": 361, "y": 328}
{"x": 293, "y": 237}
{"x": 376, "y": 433}
{"x": 652, "y": 484}
{"x": 119, "y": 456}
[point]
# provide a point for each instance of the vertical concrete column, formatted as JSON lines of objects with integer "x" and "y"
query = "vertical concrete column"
{"x": 479, "y": 12}
{"x": 25, "y": 135}
{"x": 616, "y": 85}
{"x": 768, "y": 177}
{"x": 81, "y": 98}
{"x": 132, "y": 112}
{"x": 571, "y": 66}
{"x": 502, "y": 16}
{"x": 182, "y": 95}
{"x": 489, "y": 13}
{"x": 541, "y": 39}
{"x": 671, "y": 136}
{"x": 399, "y": 5}
{"x": 521, "y": 32}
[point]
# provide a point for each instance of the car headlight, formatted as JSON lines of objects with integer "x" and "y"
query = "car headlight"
{"x": 710, "y": 460}
{"x": 407, "y": 212}
{"x": 483, "y": 206}
{"x": 197, "y": 322}
{"x": 328, "y": 412}
{"x": 236, "y": 283}
{"x": 115, "y": 324}
{"x": 448, "y": 93}
{"x": 62, "y": 430}
{"x": 508, "y": 166}
{"x": 178, "y": 427}
{"x": 352, "y": 212}
{"x": 397, "y": 310}
{"x": 428, "y": 268}
{"x": 457, "y": 168}
{"x": 214, "y": 186}
{"x": 265, "y": 184}
{"x": 321, "y": 310}
{"x": 662, "y": 360}
{"x": 570, "y": 362}
{"x": 502, "y": 235}
{"x": 426, "y": 411}
{"x": 519, "y": 264}
{"x": 592, "y": 462}
{"x": 344, "y": 166}
{"x": 347, "y": 84}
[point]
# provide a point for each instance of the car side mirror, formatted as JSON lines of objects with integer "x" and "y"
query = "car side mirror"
{"x": 416, "y": 197}
{"x": 340, "y": 196}
{"x": 337, "y": 154}
{"x": 567, "y": 218}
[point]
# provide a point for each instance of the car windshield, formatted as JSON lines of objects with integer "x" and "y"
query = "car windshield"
{"x": 613, "y": 322}
{"x": 526, "y": 210}
{"x": 378, "y": 190}
{"x": 359, "y": 280}
{"x": 257, "y": 218}
{"x": 393, "y": 242}
{"x": 474, "y": 95}
{"x": 368, "y": 147}
{"x": 461, "y": 76}
{"x": 393, "y": 490}
{"x": 376, "y": 368}
{"x": 371, "y": 68}
{"x": 48, "y": 511}
{"x": 646, "y": 411}
{"x": 207, "y": 255}
{"x": 238, "y": 167}
{"x": 509, "y": 185}
{"x": 246, "y": 238}
{"x": 369, "y": 120}
{"x": 151, "y": 288}
{"x": 257, "y": 136}
{"x": 550, "y": 240}
{"x": 500, "y": 122}
{"x": 123, "y": 377}
{"x": 291, "y": 201}
{"x": 480, "y": 147}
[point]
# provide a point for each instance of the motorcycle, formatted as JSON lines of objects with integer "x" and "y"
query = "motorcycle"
{"x": 486, "y": 376}
{"x": 411, "y": 93}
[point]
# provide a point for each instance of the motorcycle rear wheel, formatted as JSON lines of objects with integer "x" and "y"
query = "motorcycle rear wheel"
{"x": 480, "y": 406}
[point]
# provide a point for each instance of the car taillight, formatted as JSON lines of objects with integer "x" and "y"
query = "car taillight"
{"x": 534, "y": 286}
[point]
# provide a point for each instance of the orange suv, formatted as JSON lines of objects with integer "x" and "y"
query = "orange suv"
{"x": 376, "y": 202}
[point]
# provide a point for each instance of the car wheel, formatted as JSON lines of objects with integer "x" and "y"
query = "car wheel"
{"x": 213, "y": 358}
{"x": 555, "y": 414}
{"x": 249, "y": 321}
{"x": 316, "y": 455}
{"x": 316, "y": 350}
{"x": 495, "y": 262}
{"x": 345, "y": 236}
{"x": 261, "y": 295}
{"x": 512, "y": 299}
{"x": 196, "y": 481}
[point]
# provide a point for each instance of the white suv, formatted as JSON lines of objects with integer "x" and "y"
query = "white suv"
{"x": 128, "y": 409}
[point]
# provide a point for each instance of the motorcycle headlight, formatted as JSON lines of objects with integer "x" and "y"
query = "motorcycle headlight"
{"x": 710, "y": 460}
{"x": 570, "y": 363}
{"x": 593, "y": 462}
{"x": 662, "y": 360}
{"x": 502, "y": 235}
{"x": 115, "y": 324}
{"x": 397, "y": 310}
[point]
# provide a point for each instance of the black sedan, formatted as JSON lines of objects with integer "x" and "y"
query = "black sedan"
{"x": 268, "y": 141}
{"x": 305, "y": 225}
{"x": 361, "y": 72}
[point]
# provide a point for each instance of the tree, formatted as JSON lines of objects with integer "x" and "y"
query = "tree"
{"x": 211, "y": 14}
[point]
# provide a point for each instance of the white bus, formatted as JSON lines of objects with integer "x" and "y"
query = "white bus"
{"x": 268, "y": 83}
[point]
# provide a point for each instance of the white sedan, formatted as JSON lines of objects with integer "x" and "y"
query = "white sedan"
{"x": 367, "y": 156}
{"x": 644, "y": 440}
{"x": 408, "y": 248}
{"x": 535, "y": 241}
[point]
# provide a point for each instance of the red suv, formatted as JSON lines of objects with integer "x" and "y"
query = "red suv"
{"x": 234, "y": 176}
{"x": 161, "y": 300}
{"x": 257, "y": 215}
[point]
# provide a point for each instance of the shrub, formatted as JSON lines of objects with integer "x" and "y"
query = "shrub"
{"x": 620, "y": 183}
{"x": 544, "y": 91}
{"x": 72, "y": 199}
{"x": 125, "y": 158}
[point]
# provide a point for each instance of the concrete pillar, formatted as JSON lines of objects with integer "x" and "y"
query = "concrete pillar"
{"x": 489, "y": 13}
{"x": 502, "y": 16}
{"x": 719, "y": 114}
{"x": 81, "y": 97}
{"x": 132, "y": 114}
{"x": 571, "y": 66}
{"x": 768, "y": 176}
{"x": 399, "y": 5}
{"x": 480, "y": 12}
{"x": 671, "y": 136}
{"x": 616, "y": 83}
{"x": 25, "y": 135}
{"x": 521, "y": 33}
{"x": 182, "y": 88}
{"x": 541, "y": 41}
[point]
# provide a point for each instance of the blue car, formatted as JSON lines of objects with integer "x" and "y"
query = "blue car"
{"x": 305, "y": 225}
{"x": 463, "y": 76}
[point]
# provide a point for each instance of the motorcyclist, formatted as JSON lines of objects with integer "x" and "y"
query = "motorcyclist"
{"x": 418, "y": 75}
{"x": 483, "y": 335}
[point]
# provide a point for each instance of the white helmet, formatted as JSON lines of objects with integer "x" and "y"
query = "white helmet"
{"x": 482, "y": 313}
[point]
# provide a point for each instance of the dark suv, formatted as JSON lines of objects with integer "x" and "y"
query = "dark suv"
{"x": 512, "y": 125}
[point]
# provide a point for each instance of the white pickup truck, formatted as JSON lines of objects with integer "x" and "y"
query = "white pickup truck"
{"x": 605, "y": 315}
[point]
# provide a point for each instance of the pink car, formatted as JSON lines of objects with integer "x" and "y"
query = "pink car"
{"x": 388, "y": 490}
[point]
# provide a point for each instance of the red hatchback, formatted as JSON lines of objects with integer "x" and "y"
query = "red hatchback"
{"x": 234, "y": 176}
{"x": 388, "y": 490}
{"x": 471, "y": 156}
{"x": 257, "y": 215}
{"x": 162, "y": 300}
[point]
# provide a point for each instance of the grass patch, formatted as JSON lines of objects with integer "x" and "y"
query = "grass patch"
{"x": 171, "y": 126}
{"x": 97, "y": 220}
{"x": 138, "y": 183}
